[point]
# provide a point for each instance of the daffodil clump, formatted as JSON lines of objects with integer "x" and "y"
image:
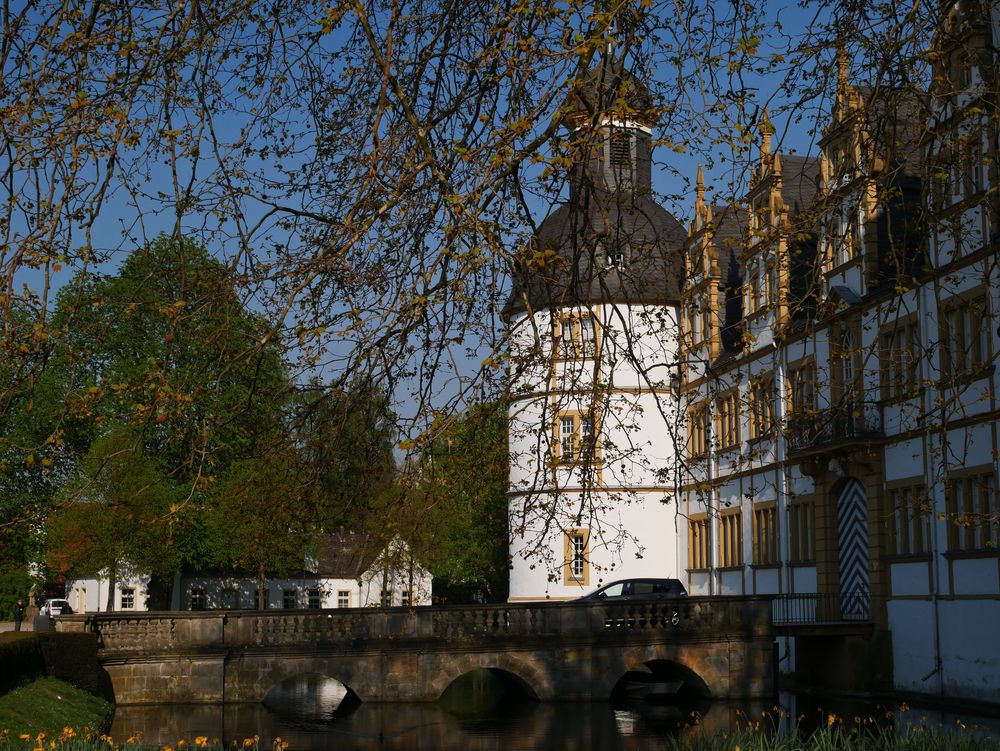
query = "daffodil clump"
{"x": 72, "y": 740}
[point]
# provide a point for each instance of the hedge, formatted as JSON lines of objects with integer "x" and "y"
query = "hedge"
{"x": 71, "y": 657}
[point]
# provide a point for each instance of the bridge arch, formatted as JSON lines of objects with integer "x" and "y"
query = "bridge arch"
{"x": 311, "y": 696}
{"x": 704, "y": 673}
{"x": 533, "y": 681}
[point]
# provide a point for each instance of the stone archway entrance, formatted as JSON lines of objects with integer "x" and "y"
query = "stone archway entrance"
{"x": 852, "y": 549}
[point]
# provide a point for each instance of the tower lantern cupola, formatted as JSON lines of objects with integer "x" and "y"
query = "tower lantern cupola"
{"x": 611, "y": 114}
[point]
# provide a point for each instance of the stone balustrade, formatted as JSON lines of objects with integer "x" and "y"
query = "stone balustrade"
{"x": 159, "y": 631}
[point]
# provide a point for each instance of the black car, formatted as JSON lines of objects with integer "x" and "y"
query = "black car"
{"x": 637, "y": 589}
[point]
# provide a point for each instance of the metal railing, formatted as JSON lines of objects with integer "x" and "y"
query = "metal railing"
{"x": 821, "y": 608}
{"x": 845, "y": 422}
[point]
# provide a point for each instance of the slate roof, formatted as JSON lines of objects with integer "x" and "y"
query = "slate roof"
{"x": 569, "y": 264}
{"x": 345, "y": 555}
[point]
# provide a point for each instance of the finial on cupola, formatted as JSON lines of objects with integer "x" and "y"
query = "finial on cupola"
{"x": 699, "y": 188}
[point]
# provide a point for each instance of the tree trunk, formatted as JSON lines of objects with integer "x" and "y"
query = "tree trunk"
{"x": 112, "y": 585}
{"x": 261, "y": 591}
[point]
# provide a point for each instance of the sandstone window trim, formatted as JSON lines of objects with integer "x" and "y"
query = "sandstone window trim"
{"x": 802, "y": 532}
{"x": 730, "y": 550}
{"x": 699, "y": 543}
{"x": 899, "y": 359}
{"x": 727, "y": 419}
{"x": 973, "y": 514}
{"x": 576, "y": 336}
{"x": 575, "y": 438}
{"x": 766, "y": 550}
{"x": 965, "y": 335}
{"x": 576, "y": 556}
{"x": 908, "y": 518}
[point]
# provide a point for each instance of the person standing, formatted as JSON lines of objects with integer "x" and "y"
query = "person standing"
{"x": 18, "y": 614}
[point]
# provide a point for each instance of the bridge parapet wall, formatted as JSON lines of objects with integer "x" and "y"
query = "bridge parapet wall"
{"x": 562, "y": 651}
{"x": 121, "y": 632}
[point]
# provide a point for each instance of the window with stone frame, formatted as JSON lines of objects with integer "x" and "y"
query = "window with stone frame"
{"x": 575, "y": 439}
{"x": 973, "y": 514}
{"x": 965, "y": 336}
{"x": 576, "y": 556}
{"x": 908, "y": 518}
{"x": 801, "y": 532}
{"x": 699, "y": 543}
{"x": 575, "y": 336}
{"x": 198, "y": 601}
{"x": 315, "y": 599}
{"x": 386, "y": 598}
{"x": 900, "y": 360}
{"x": 290, "y": 599}
{"x": 762, "y": 406}
{"x": 802, "y": 389}
{"x": 343, "y": 598}
{"x": 765, "y": 535}
{"x": 731, "y": 538}
{"x": 128, "y": 598}
{"x": 727, "y": 408}
{"x": 698, "y": 430}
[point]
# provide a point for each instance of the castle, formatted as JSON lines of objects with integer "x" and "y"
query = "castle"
{"x": 798, "y": 395}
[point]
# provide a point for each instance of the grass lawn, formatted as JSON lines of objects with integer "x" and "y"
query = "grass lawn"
{"x": 48, "y": 705}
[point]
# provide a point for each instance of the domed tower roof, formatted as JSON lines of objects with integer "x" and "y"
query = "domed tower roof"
{"x": 610, "y": 91}
{"x": 611, "y": 242}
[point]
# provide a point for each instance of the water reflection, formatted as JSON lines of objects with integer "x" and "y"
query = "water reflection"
{"x": 529, "y": 726}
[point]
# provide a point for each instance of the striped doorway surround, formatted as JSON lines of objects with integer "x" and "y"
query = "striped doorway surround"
{"x": 852, "y": 543}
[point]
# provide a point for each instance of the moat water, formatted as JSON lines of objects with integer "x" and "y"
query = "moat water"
{"x": 310, "y": 713}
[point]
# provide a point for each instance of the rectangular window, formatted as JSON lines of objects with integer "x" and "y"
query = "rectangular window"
{"x": 699, "y": 541}
{"x": 900, "y": 361}
{"x": 289, "y": 599}
{"x": 344, "y": 598}
{"x": 765, "y": 535}
{"x": 620, "y": 149}
{"x": 576, "y": 336}
{"x": 405, "y": 595}
{"x": 315, "y": 601}
{"x": 386, "y": 598}
{"x": 698, "y": 433}
{"x": 576, "y": 554}
{"x": 728, "y": 416}
{"x": 965, "y": 334}
{"x": 256, "y": 599}
{"x": 575, "y": 441}
{"x": 731, "y": 539}
{"x": 973, "y": 514}
{"x": 801, "y": 533}
{"x": 230, "y": 598}
{"x": 909, "y": 520}
{"x": 762, "y": 416}
{"x": 197, "y": 598}
{"x": 128, "y": 599}
{"x": 802, "y": 389}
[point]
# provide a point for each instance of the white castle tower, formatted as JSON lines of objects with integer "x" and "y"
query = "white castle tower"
{"x": 595, "y": 428}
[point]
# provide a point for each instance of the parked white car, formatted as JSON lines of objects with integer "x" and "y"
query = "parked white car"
{"x": 56, "y": 607}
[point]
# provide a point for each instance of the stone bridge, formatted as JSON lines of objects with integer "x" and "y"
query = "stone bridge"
{"x": 566, "y": 651}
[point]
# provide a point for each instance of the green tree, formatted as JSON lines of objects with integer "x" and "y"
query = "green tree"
{"x": 116, "y": 514}
{"x": 262, "y": 518}
{"x": 451, "y": 506}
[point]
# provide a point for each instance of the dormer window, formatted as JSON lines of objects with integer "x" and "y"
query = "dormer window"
{"x": 615, "y": 257}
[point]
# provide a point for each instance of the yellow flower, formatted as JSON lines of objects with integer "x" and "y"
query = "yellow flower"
{"x": 247, "y": 742}
{"x": 181, "y": 743}
{"x": 201, "y": 740}
{"x": 830, "y": 719}
{"x": 40, "y": 737}
{"x": 168, "y": 748}
{"x": 24, "y": 737}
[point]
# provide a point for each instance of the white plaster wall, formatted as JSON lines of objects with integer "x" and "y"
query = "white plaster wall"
{"x": 912, "y": 626}
{"x": 910, "y": 578}
{"x": 92, "y": 593}
{"x": 976, "y": 576}
{"x": 803, "y": 579}
{"x": 970, "y": 649}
